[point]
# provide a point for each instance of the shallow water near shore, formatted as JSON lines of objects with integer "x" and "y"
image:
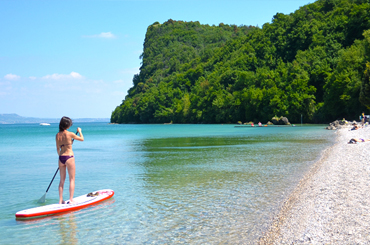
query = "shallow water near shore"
{"x": 191, "y": 184}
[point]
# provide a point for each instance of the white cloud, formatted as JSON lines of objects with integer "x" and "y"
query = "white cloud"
{"x": 102, "y": 35}
{"x": 32, "y": 78}
{"x": 106, "y": 35}
{"x": 75, "y": 75}
{"x": 11, "y": 77}
{"x": 56, "y": 76}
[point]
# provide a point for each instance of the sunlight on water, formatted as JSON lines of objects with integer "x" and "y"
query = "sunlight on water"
{"x": 191, "y": 184}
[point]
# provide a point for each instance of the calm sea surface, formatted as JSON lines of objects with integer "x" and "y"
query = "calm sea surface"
{"x": 189, "y": 184}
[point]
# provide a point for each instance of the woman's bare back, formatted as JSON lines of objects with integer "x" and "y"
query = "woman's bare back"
{"x": 64, "y": 143}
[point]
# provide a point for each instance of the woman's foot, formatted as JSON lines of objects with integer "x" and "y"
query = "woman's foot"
{"x": 72, "y": 202}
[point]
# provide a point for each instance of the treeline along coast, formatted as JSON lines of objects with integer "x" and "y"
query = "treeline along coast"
{"x": 313, "y": 63}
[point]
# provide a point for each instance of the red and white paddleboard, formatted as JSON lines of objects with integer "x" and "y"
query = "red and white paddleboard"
{"x": 81, "y": 202}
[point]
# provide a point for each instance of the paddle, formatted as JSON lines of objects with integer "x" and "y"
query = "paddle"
{"x": 42, "y": 199}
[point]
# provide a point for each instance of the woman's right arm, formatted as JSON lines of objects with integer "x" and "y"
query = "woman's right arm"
{"x": 76, "y": 137}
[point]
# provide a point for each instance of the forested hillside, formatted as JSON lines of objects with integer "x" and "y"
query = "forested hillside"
{"x": 314, "y": 62}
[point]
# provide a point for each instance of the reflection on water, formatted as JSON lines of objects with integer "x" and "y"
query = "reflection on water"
{"x": 218, "y": 189}
{"x": 68, "y": 229}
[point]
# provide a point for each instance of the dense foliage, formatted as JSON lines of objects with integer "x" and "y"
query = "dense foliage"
{"x": 314, "y": 62}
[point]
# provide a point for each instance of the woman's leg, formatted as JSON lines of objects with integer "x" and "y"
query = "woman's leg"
{"x": 71, "y": 173}
{"x": 62, "y": 171}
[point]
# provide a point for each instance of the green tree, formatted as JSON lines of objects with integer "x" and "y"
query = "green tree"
{"x": 365, "y": 87}
{"x": 312, "y": 62}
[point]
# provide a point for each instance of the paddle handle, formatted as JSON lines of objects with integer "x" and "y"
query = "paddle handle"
{"x": 76, "y": 134}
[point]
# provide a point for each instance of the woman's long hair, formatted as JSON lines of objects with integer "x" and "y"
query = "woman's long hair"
{"x": 65, "y": 123}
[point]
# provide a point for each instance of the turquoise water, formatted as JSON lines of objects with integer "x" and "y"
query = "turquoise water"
{"x": 189, "y": 184}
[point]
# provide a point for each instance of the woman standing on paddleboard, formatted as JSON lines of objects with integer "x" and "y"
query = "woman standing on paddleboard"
{"x": 64, "y": 140}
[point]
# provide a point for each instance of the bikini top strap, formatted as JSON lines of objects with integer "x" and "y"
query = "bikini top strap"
{"x": 65, "y": 144}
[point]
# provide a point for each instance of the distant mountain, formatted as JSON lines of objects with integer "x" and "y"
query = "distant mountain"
{"x": 15, "y": 118}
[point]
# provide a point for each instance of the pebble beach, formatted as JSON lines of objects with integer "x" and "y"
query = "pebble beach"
{"x": 331, "y": 204}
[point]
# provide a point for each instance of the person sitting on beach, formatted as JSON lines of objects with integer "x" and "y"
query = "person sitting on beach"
{"x": 355, "y": 127}
{"x": 354, "y": 141}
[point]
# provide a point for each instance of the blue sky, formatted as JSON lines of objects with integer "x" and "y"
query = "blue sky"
{"x": 77, "y": 58}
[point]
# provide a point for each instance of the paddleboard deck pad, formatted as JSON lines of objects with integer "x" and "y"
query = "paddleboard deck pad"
{"x": 80, "y": 202}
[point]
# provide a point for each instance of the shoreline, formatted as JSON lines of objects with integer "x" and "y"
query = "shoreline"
{"x": 331, "y": 203}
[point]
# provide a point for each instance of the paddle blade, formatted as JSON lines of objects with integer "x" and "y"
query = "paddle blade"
{"x": 42, "y": 199}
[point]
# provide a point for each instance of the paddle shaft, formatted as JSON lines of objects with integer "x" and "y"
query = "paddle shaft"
{"x": 52, "y": 179}
{"x": 56, "y": 172}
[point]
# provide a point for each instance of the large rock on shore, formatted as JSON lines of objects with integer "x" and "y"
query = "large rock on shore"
{"x": 339, "y": 124}
{"x": 280, "y": 121}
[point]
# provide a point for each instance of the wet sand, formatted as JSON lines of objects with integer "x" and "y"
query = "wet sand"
{"x": 331, "y": 204}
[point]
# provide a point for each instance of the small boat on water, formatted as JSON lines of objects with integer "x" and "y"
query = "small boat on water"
{"x": 44, "y": 124}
